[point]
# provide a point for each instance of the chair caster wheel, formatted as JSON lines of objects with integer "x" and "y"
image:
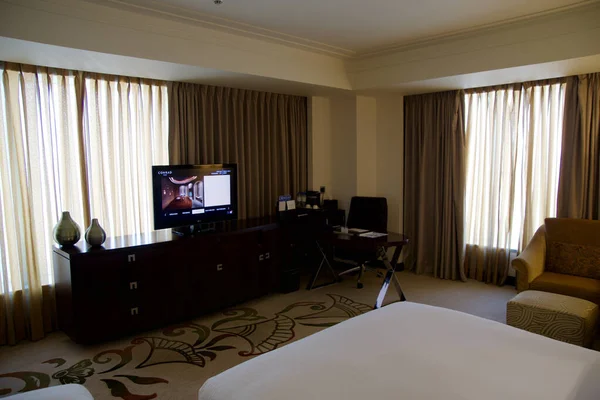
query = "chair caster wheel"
{"x": 359, "y": 285}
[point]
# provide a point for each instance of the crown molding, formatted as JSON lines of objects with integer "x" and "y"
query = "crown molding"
{"x": 476, "y": 30}
{"x": 235, "y": 27}
{"x": 179, "y": 14}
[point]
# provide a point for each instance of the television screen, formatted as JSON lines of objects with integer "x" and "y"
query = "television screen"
{"x": 191, "y": 194}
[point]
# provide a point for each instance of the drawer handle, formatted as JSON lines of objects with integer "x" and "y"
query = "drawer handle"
{"x": 267, "y": 255}
{"x": 134, "y": 311}
{"x": 132, "y": 285}
{"x": 219, "y": 267}
{"x": 261, "y": 257}
{"x": 131, "y": 258}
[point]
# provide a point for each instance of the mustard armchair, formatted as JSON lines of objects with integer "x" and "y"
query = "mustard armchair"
{"x": 562, "y": 257}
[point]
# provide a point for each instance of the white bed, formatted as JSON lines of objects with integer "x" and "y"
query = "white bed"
{"x": 413, "y": 351}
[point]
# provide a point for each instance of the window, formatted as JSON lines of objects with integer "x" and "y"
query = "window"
{"x": 77, "y": 142}
{"x": 513, "y": 140}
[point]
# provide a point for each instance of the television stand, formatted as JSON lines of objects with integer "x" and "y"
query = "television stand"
{"x": 142, "y": 282}
{"x": 191, "y": 230}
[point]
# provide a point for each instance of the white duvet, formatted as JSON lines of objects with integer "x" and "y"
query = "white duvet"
{"x": 413, "y": 351}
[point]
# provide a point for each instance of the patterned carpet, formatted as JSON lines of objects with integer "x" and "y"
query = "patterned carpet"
{"x": 172, "y": 363}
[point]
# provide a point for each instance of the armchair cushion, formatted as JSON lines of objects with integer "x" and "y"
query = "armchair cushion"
{"x": 569, "y": 285}
{"x": 574, "y": 259}
{"x": 573, "y": 247}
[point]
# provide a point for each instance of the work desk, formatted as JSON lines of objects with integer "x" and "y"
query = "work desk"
{"x": 358, "y": 243}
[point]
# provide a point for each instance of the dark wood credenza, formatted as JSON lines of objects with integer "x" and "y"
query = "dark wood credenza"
{"x": 141, "y": 282}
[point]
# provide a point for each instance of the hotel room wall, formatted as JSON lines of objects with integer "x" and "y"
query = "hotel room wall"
{"x": 356, "y": 148}
{"x": 390, "y": 156}
{"x": 366, "y": 146}
{"x": 343, "y": 149}
{"x": 319, "y": 144}
{"x": 333, "y": 147}
{"x": 91, "y": 26}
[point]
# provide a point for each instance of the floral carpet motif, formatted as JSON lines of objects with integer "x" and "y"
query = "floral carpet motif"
{"x": 242, "y": 331}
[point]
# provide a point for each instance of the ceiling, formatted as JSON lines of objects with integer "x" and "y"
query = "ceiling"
{"x": 351, "y": 27}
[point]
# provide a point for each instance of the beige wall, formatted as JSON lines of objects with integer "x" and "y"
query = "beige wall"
{"x": 356, "y": 147}
{"x": 319, "y": 137}
{"x": 343, "y": 149}
{"x": 390, "y": 156}
{"x": 366, "y": 146}
{"x": 332, "y": 143}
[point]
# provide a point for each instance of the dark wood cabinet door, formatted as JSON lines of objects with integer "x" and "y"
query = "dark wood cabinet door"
{"x": 168, "y": 291}
{"x": 270, "y": 262}
{"x": 99, "y": 297}
{"x": 201, "y": 265}
{"x": 243, "y": 252}
{"x": 233, "y": 257}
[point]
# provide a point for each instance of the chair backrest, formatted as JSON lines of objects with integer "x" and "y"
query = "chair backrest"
{"x": 368, "y": 213}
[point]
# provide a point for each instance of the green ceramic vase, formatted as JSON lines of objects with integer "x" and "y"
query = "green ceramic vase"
{"x": 66, "y": 232}
{"x": 95, "y": 235}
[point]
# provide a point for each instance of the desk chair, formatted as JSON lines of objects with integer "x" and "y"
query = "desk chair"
{"x": 369, "y": 213}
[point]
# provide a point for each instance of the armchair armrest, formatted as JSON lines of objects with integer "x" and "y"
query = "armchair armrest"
{"x": 530, "y": 263}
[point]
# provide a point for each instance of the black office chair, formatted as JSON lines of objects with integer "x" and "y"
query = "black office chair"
{"x": 369, "y": 213}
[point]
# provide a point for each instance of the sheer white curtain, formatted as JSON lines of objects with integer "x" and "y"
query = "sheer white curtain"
{"x": 40, "y": 174}
{"x": 69, "y": 142}
{"x": 513, "y": 137}
{"x": 125, "y": 123}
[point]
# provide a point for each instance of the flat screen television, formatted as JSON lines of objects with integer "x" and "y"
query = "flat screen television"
{"x": 190, "y": 195}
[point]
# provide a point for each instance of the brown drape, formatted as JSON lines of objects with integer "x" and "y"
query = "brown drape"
{"x": 264, "y": 133}
{"x": 434, "y": 173}
{"x": 27, "y": 316}
{"x": 579, "y": 184}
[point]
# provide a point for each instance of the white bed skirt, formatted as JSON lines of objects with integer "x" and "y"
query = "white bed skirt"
{"x": 413, "y": 351}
